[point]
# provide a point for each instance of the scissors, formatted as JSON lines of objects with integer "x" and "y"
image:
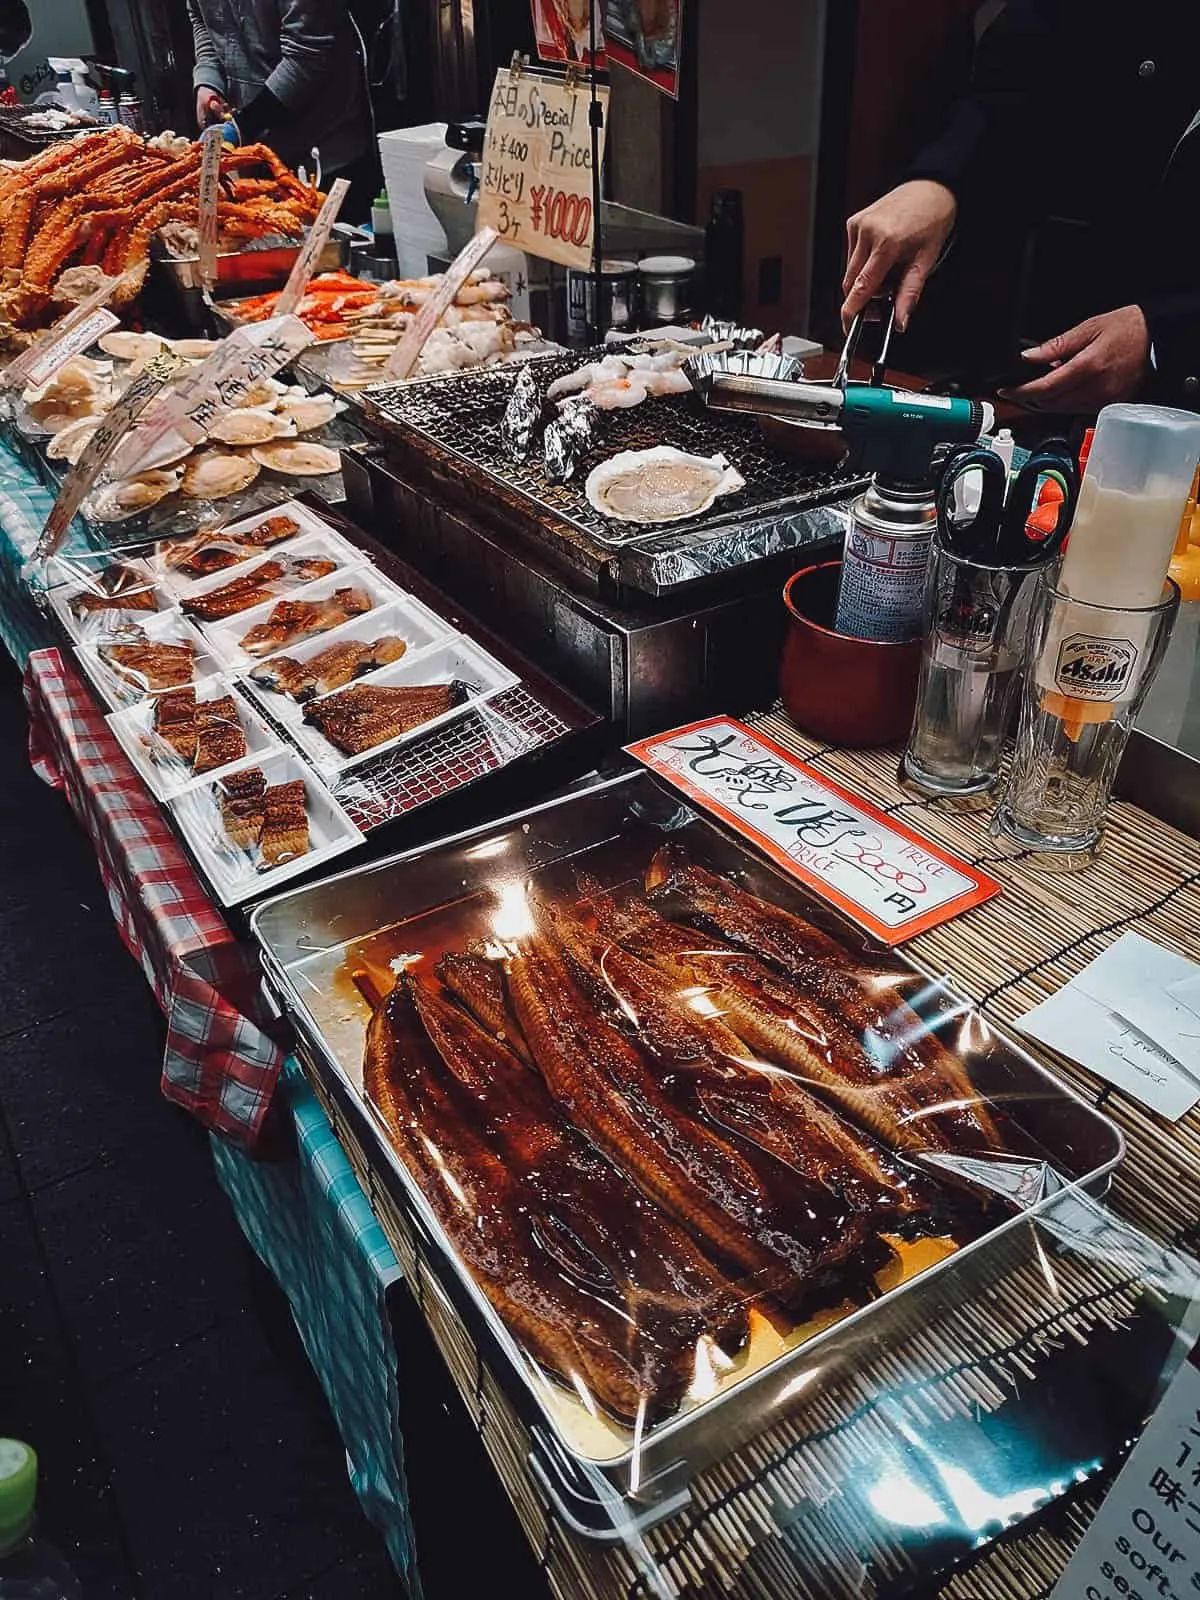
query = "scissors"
{"x": 1006, "y": 529}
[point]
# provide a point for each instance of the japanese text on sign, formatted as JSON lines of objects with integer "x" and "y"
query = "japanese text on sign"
{"x": 1145, "y": 1539}
{"x": 535, "y": 178}
{"x": 890, "y": 881}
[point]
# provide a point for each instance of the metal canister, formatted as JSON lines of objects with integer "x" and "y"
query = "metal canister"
{"x": 129, "y": 112}
{"x": 618, "y": 292}
{"x": 884, "y": 563}
{"x": 665, "y": 286}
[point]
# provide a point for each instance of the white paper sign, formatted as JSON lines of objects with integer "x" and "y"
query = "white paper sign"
{"x": 72, "y": 344}
{"x": 1144, "y": 1543}
{"x": 889, "y": 880}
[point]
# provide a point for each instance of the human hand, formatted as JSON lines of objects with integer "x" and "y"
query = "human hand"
{"x": 1104, "y": 359}
{"x": 905, "y": 231}
{"x": 210, "y": 107}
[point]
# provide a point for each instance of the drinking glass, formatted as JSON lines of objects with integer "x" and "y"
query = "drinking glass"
{"x": 1088, "y": 669}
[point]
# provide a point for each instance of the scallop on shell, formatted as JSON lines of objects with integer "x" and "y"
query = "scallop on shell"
{"x": 659, "y": 485}
{"x": 194, "y": 349}
{"x": 249, "y": 425}
{"x": 265, "y": 392}
{"x": 53, "y": 415}
{"x": 297, "y": 458}
{"x": 214, "y": 474}
{"x": 311, "y": 411}
{"x": 123, "y": 345}
{"x": 116, "y": 501}
{"x": 69, "y": 443}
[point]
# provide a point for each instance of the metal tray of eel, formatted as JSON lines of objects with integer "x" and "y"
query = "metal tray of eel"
{"x": 802, "y": 1140}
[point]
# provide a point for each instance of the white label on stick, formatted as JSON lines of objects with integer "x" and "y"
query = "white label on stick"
{"x": 16, "y": 374}
{"x": 56, "y": 356}
{"x": 535, "y": 179}
{"x": 404, "y": 357}
{"x": 210, "y": 189}
{"x": 305, "y": 263}
{"x": 77, "y": 484}
{"x": 246, "y": 357}
{"x": 1145, "y": 1538}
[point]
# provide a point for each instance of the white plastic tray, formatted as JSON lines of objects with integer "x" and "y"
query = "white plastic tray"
{"x": 307, "y": 522}
{"x": 225, "y": 637}
{"x": 320, "y": 545}
{"x": 169, "y": 627}
{"x": 66, "y": 578}
{"x": 413, "y": 621}
{"x": 458, "y": 657}
{"x": 232, "y": 872}
{"x": 134, "y": 731}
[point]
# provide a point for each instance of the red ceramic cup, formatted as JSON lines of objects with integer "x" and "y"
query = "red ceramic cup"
{"x": 856, "y": 692}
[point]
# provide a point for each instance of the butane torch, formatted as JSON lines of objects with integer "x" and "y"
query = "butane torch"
{"x": 893, "y": 434}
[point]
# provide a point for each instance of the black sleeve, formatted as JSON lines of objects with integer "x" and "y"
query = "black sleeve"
{"x": 989, "y": 132}
{"x": 263, "y": 112}
{"x": 1174, "y": 324}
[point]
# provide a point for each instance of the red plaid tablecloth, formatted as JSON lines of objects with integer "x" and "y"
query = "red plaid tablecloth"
{"x": 220, "y": 1061}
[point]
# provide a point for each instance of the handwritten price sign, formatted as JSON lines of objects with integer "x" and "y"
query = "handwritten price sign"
{"x": 890, "y": 881}
{"x": 535, "y": 184}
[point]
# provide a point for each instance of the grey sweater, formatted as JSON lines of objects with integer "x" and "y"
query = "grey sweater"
{"x": 307, "y": 53}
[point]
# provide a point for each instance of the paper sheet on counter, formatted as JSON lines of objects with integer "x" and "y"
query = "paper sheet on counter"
{"x": 1129, "y": 1017}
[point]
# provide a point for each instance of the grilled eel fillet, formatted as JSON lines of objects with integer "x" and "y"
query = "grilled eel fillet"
{"x": 785, "y": 1024}
{"x": 220, "y": 737}
{"x": 478, "y": 984}
{"x": 271, "y": 531}
{"x": 242, "y": 807}
{"x": 595, "y": 1283}
{"x": 713, "y": 1076}
{"x": 368, "y": 714}
{"x": 293, "y": 620}
{"x": 787, "y": 1240}
{"x": 151, "y": 666}
{"x": 854, "y": 986}
{"x": 254, "y": 587}
{"x": 285, "y": 824}
{"x": 118, "y": 588}
{"x": 329, "y": 669}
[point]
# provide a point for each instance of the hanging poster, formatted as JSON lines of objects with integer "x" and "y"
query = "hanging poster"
{"x": 562, "y": 30}
{"x": 645, "y": 37}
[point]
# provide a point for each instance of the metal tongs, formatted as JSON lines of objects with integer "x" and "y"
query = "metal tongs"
{"x": 801, "y": 400}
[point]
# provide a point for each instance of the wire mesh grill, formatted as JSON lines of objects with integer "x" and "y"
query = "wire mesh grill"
{"x": 461, "y": 413}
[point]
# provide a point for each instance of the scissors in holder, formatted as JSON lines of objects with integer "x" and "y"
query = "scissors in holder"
{"x": 1013, "y": 524}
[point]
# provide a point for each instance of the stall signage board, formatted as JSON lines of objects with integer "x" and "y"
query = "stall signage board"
{"x": 1145, "y": 1538}
{"x": 77, "y": 484}
{"x": 210, "y": 187}
{"x": 404, "y": 357}
{"x": 892, "y": 882}
{"x": 535, "y": 183}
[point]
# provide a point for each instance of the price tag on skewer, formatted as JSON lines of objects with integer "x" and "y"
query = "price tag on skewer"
{"x": 77, "y": 485}
{"x": 248, "y": 356}
{"x": 306, "y": 262}
{"x": 18, "y": 373}
{"x": 404, "y": 357}
{"x": 210, "y": 189}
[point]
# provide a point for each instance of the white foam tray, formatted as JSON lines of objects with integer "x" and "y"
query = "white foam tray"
{"x": 232, "y": 872}
{"x": 167, "y": 627}
{"x": 225, "y": 637}
{"x": 307, "y": 522}
{"x": 321, "y": 545}
{"x": 134, "y": 731}
{"x": 66, "y": 577}
{"x": 458, "y": 657}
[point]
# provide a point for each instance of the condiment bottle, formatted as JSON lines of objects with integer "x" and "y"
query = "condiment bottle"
{"x": 30, "y": 1569}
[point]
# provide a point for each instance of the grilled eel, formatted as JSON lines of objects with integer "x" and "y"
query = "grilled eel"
{"x": 792, "y": 1242}
{"x": 712, "y": 1075}
{"x": 599, "y": 1287}
{"x": 851, "y": 984}
{"x": 478, "y": 984}
{"x": 908, "y": 1109}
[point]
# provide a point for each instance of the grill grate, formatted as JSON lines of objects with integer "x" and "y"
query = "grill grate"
{"x": 460, "y": 412}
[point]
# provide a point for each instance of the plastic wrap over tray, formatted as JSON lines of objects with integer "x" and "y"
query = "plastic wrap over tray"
{"x": 667, "y": 1130}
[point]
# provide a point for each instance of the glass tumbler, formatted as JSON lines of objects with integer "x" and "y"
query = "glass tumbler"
{"x": 976, "y": 618}
{"x": 1088, "y": 669}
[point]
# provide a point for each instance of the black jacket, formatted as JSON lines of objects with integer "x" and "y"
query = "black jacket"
{"x": 1083, "y": 124}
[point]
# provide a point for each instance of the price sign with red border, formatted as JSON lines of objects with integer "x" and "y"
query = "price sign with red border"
{"x": 535, "y": 176}
{"x": 888, "y": 879}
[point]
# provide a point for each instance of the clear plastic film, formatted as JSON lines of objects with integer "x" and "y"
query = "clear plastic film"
{"x": 198, "y": 731}
{"x": 261, "y": 824}
{"x": 733, "y": 1204}
{"x": 269, "y": 576}
{"x": 129, "y": 659}
{"x": 229, "y": 542}
{"x": 93, "y": 594}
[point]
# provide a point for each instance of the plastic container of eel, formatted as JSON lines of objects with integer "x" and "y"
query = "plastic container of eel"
{"x": 998, "y": 1136}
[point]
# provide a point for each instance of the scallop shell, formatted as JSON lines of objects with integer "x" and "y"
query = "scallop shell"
{"x": 659, "y": 485}
{"x": 124, "y": 345}
{"x": 265, "y": 392}
{"x": 313, "y": 411}
{"x": 69, "y": 443}
{"x": 116, "y": 501}
{"x": 194, "y": 349}
{"x": 214, "y": 474}
{"x": 249, "y": 425}
{"x": 297, "y": 458}
{"x": 59, "y": 412}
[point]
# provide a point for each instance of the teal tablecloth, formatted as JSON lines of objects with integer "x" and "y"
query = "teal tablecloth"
{"x": 306, "y": 1217}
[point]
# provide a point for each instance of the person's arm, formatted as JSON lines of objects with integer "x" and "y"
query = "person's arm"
{"x": 207, "y": 73}
{"x": 307, "y": 40}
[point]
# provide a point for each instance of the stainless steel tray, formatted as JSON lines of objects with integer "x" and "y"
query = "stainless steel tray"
{"x": 306, "y": 938}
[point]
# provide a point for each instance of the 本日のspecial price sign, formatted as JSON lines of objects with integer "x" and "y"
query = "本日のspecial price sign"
{"x": 889, "y": 880}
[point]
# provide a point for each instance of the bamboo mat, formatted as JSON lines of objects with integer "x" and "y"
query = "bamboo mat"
{"x": 781, "y": 1518}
